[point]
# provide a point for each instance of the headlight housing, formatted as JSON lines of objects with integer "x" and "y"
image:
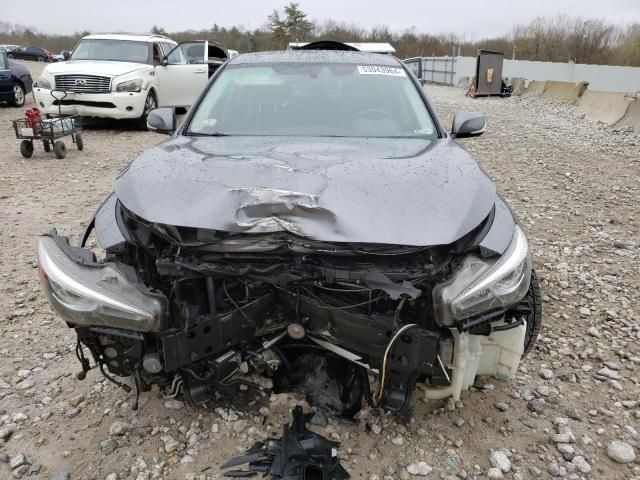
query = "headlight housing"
{"x": 96, "y": 294}
{"x": 481, "y": 285}
{"x": 134, "y": 85}
{"x": 43, "y": 82}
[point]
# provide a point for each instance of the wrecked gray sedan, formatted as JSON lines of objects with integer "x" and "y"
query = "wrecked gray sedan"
{"x": 310, "y": 221}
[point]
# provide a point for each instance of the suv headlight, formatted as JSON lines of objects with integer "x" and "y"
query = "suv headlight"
{"x": 134, "y": 85}
{"x": 481, "y": 285}
{"x": 88, "y": 293}
{"x": 43, "y": 82}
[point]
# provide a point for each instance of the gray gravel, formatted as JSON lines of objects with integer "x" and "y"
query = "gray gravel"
{"x": 575, "y": 188}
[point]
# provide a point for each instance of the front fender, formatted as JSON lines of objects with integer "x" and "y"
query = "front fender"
{"x": 21, "y": 75}
{"x": 105, "y": 223}
{"x": 499, "y": 234}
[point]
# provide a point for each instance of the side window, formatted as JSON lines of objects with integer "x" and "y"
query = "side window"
{"x": 187, "y": 53}
{"x": 414, "y": 66}
{"x": 175, "y": 57}
{"x": 194, "y": 52}
{"x": 157, "y": 54}
{"x": 3, "y": 60}
{"x": 167, "y": 47}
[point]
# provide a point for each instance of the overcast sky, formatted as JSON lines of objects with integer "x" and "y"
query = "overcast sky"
{"x": 473, "y": 19}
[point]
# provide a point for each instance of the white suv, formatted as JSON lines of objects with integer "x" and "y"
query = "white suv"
{"x": 127, "y": 76}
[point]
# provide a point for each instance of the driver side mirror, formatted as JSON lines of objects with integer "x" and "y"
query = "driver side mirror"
{"x": 165, "y": 61}
{"x": 66, "y": 54}
{"x": 162, "y": 120}
{"x": 468, "y": 124}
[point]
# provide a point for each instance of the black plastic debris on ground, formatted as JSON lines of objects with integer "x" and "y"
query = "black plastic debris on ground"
{"x": 299, "y": 455}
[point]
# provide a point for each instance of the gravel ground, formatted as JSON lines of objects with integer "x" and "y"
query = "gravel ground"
{"x": 573, "y": 411}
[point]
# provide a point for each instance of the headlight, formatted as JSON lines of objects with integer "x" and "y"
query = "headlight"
{"x": 134, "y": 85}
{"x": 96, "y": 294}
{"x": 482, "y": 285}
{"x": 43, "y": 82}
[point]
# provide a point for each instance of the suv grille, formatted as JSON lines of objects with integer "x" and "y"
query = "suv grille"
{"x": 83, "y": 83}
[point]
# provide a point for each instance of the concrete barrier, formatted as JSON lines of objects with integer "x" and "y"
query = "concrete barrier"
{"x": 518, "y": 86}
{"x": 632, "y": 117}
{"x": 563, "y": 91}
{"x": 463, "y": 82}
{"x": 610, "y": 108}
{"x": 534, "y": 88}
{"x": 606, "y": 107}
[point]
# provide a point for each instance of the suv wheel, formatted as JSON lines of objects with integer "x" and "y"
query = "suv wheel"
{"x": 18, "y": 95}
{"x": 149, "y": 104}
{"x": 10, "y": 55}
{"x": 40, "y": 59}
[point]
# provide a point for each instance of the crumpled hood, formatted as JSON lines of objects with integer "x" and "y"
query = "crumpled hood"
{"x": 389, "y": 191}
{"x": 93, "y": 67}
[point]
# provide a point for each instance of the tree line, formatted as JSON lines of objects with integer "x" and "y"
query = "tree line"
{"x": 552, "y": 39}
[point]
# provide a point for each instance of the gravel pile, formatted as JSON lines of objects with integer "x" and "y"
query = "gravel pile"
{"x": 572, "y": 412}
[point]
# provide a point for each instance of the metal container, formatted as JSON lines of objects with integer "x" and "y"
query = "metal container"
{"x": 489, "y": 73}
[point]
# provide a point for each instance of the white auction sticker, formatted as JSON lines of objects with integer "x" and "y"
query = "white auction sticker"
{"x": 379, "y": 70}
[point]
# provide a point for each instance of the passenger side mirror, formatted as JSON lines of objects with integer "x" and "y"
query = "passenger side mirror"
{"x": 162, "y": 120}
{"x": 66, "y": 54}
{"x": 468, "y": 124}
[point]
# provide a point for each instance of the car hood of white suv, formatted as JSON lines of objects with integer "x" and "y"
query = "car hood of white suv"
{"x": 94, "y": 67}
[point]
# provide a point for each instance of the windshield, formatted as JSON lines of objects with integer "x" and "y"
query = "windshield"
{"x": 114, "y": 50}
{"x": 309, "y": 99}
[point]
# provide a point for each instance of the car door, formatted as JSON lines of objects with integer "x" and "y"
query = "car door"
{"x": 6, "y": 84}
{"x": 19, "y": 52}
{"x": 182, "y": 75}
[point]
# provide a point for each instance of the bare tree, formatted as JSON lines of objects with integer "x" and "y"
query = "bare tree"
{"x": 557, "y": 39}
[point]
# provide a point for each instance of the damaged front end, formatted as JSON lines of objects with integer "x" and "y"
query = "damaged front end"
{"x": 196, "y": 311}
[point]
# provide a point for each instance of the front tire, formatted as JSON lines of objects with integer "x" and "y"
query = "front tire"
{"x": 10, "y": 56}
{"x": 41, "y": 59}
{"x": 19, "y": 95}
{"x": 149, "y": 104}
{"x": 79, "y": 142}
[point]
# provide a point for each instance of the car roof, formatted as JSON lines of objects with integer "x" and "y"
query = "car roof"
{"x": 127, "y": 36}
{"x": 314, "y": 56}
